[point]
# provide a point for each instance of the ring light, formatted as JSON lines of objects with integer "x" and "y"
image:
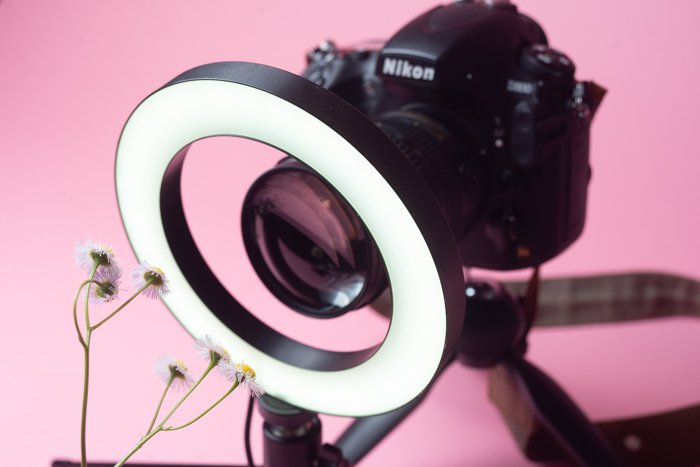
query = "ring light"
{"x": 347, "y": 150}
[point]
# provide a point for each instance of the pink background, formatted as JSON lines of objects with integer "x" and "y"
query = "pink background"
{"x": 71, "y": 72}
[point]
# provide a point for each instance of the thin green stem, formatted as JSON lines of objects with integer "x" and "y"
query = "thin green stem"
{"x": 173, "y": 428}
{"x": 160, "y": 402}
{"x": 159, "y": 428}
{"x": 75, "y": 308}
{"x": 83, "y": 421}
{"x": 87, "y": 294}
{"x": 123, "y": 305}
{"x": 86, "y": 369}
{"x": 138, "y": 446}
{"x": 210, "y": 367}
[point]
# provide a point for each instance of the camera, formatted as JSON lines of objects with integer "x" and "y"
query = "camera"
{"x": 485, "y": 110}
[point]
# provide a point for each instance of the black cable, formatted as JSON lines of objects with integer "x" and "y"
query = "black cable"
{"x": 248, "y": 419}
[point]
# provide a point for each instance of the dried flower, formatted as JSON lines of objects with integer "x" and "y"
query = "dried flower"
{"x": 168, "y": 367}
{"x": 88, "y": 252}
{"x": 244, "y": 374}
{"x": 145, "y": 275}
{"x": 108, "y": 288}
{"x": 210, "y": 350}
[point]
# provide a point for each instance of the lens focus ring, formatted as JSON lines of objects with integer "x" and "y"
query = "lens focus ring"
{"x": 436, "y": 154}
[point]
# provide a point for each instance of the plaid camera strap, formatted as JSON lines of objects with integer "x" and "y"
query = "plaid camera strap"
{"x": 663, "y": 439}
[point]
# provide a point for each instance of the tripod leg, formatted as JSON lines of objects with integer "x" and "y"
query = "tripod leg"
{"x": 365, "y": 433}
{"x": 583, "y": 441}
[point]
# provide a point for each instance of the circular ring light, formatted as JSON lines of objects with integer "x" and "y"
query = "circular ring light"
{"x": 346, "y": 149}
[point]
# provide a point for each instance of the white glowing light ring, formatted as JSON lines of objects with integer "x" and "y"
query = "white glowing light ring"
{"x": 288, "y": 112}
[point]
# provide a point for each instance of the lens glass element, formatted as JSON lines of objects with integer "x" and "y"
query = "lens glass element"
{"x": 307, "y": 244}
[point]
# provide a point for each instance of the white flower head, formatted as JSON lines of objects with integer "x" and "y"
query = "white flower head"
{"x": 167, "y": 367}
{"x": 87, "y": 253}
{"x": 153, "y": 278}
{"x": 108, "y": 288}
{"x": 208, "y": 349}
{"x": 244, "y": 374}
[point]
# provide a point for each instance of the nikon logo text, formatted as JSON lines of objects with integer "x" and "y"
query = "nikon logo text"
{"x": 405, "y": 69}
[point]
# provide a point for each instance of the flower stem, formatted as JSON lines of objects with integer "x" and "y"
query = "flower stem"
{"x": 86, "y": 369}
{"x": 160, "y": 402}
{"x": 138, "y": 446}
{"x": 83, "y": 421}
{"x": 210, "y": 367}
{"x": 159, "y": 428}
{"x": 75, "y": 309}
{"x": 123, "y": 305}
{"x": 173, "y": 428}
{"x": 87, "y": 294}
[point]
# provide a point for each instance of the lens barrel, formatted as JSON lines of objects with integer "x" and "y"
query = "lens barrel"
{"x": 445, "y": 163}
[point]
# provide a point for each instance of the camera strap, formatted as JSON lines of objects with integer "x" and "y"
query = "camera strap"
{"x": 669, "y": 438}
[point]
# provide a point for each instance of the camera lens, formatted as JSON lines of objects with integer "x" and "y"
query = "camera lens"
{"x": 447, "y": 163}
{"x": 307, "y": 245}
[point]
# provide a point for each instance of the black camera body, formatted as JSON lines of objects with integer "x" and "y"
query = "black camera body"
{"x": 492, "y": 118}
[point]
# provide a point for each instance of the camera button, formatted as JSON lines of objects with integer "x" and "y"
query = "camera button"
{"x": 523, "y": 137}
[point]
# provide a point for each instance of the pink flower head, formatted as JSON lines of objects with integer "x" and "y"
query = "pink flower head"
{"x": 108, "y": 288}
{"x": 89, "y": 253}
{"x": 152, "y": 278}
{"x": 244, "y": 375}
{"x": 208, "y": 349}
{"x": 168, "y": 367}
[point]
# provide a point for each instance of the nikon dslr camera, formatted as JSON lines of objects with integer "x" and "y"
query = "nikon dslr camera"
{"x": 489, "y": 114}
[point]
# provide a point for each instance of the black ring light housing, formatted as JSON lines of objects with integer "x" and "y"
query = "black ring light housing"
{"x": 343, "y": 119}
